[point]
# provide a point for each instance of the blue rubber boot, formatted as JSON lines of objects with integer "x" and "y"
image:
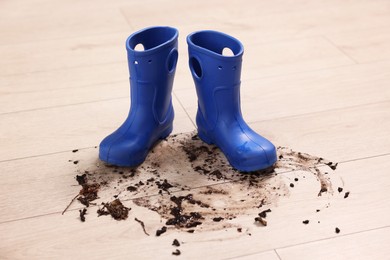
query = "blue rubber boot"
{"x": 152, "y": 71}
{"x": 219, "y": 119}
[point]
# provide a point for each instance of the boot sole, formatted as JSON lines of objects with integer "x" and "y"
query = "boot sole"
{"x": 241, "y": 168}
{"x": 137, "y": 162}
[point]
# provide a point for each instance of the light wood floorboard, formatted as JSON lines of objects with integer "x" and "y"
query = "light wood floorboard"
{"x": 316, "y": 77}
{"x": 308, "y": 92}
{"x": 299, "y": 138}
{"x": 371, "y": 244}
{"x": 57, "y": 235}
{"x": 65, "y": 128}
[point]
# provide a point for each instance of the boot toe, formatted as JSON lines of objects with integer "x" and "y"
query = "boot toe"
{"x": 122, "y": 152}
{"x": 253, "y": 156}
{"x": 104, "y": 147}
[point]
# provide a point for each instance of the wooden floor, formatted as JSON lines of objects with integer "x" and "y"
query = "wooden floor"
{"x": 316, "y": 78}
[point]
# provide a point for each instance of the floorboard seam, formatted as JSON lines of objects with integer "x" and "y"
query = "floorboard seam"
{"x": 320, "y": 112}
{"x": 334, "y": 237}
{"x": 67, "y": 105}
{"x": 178, "y": 100}
{"x": 341, "y": 50}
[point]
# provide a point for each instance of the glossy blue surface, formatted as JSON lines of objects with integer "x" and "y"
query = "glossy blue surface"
{"x": 151, "y": 114}
{"x": 219, "y": 119}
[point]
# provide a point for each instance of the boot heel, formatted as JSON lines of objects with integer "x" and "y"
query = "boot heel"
{"x": 204, "y": 138}
{"x": 166, "y": 132}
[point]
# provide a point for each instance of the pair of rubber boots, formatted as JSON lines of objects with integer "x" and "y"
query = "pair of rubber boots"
{"x": 217, "y": 80}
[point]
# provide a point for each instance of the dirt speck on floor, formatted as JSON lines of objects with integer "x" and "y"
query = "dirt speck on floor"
{"x": 176, "y": 242}
{"x": 161, "y": 231}
{"x": 176, "y": 252}
{"x": 82, "y": 214}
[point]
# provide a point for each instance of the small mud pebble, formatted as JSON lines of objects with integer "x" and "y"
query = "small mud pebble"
{"x": 131, "y": 188}
{"x": 305, "y": 222}
{"x": 261, "y": 221}
{"x": 263, "y": 214}
{"x": 322, "y": 190}
{"x": 82, "y": 214}
{"x": 165, "y": 185}
{"x": 161, "y": 231}
{"x": 339, "y": 189}
{"x": 176, "y": 242}
{"x": 337, "y": 230}
{"x": 176, "y": 252}
{"x": 332, "y": 166}
{"x": 346, "y": 195}
{"x": 81, "y": 179}
{"x": 218, "y": 219}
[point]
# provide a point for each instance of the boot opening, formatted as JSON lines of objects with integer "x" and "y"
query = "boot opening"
{"x": 151, "y": 38}
{"x": 216, "y": 42}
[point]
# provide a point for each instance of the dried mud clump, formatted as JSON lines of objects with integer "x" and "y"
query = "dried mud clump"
{"x": 114, "y": 208}
{"x": 161, "y": 231}
{"x": 88, "y": 193}
{"x": 180, "y": 219}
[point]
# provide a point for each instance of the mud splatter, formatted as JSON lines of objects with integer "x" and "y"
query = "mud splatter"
{"x": 192, "y": 186}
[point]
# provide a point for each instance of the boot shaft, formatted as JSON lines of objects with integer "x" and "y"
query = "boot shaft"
{"x": 152, "y": 69}
{"x": 216, "y": 76}
{"x": 207, "y": 61}
{"x": 158, "y": 57}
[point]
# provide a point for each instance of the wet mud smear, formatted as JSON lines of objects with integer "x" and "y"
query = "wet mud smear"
{"x": 192, "y": 186}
